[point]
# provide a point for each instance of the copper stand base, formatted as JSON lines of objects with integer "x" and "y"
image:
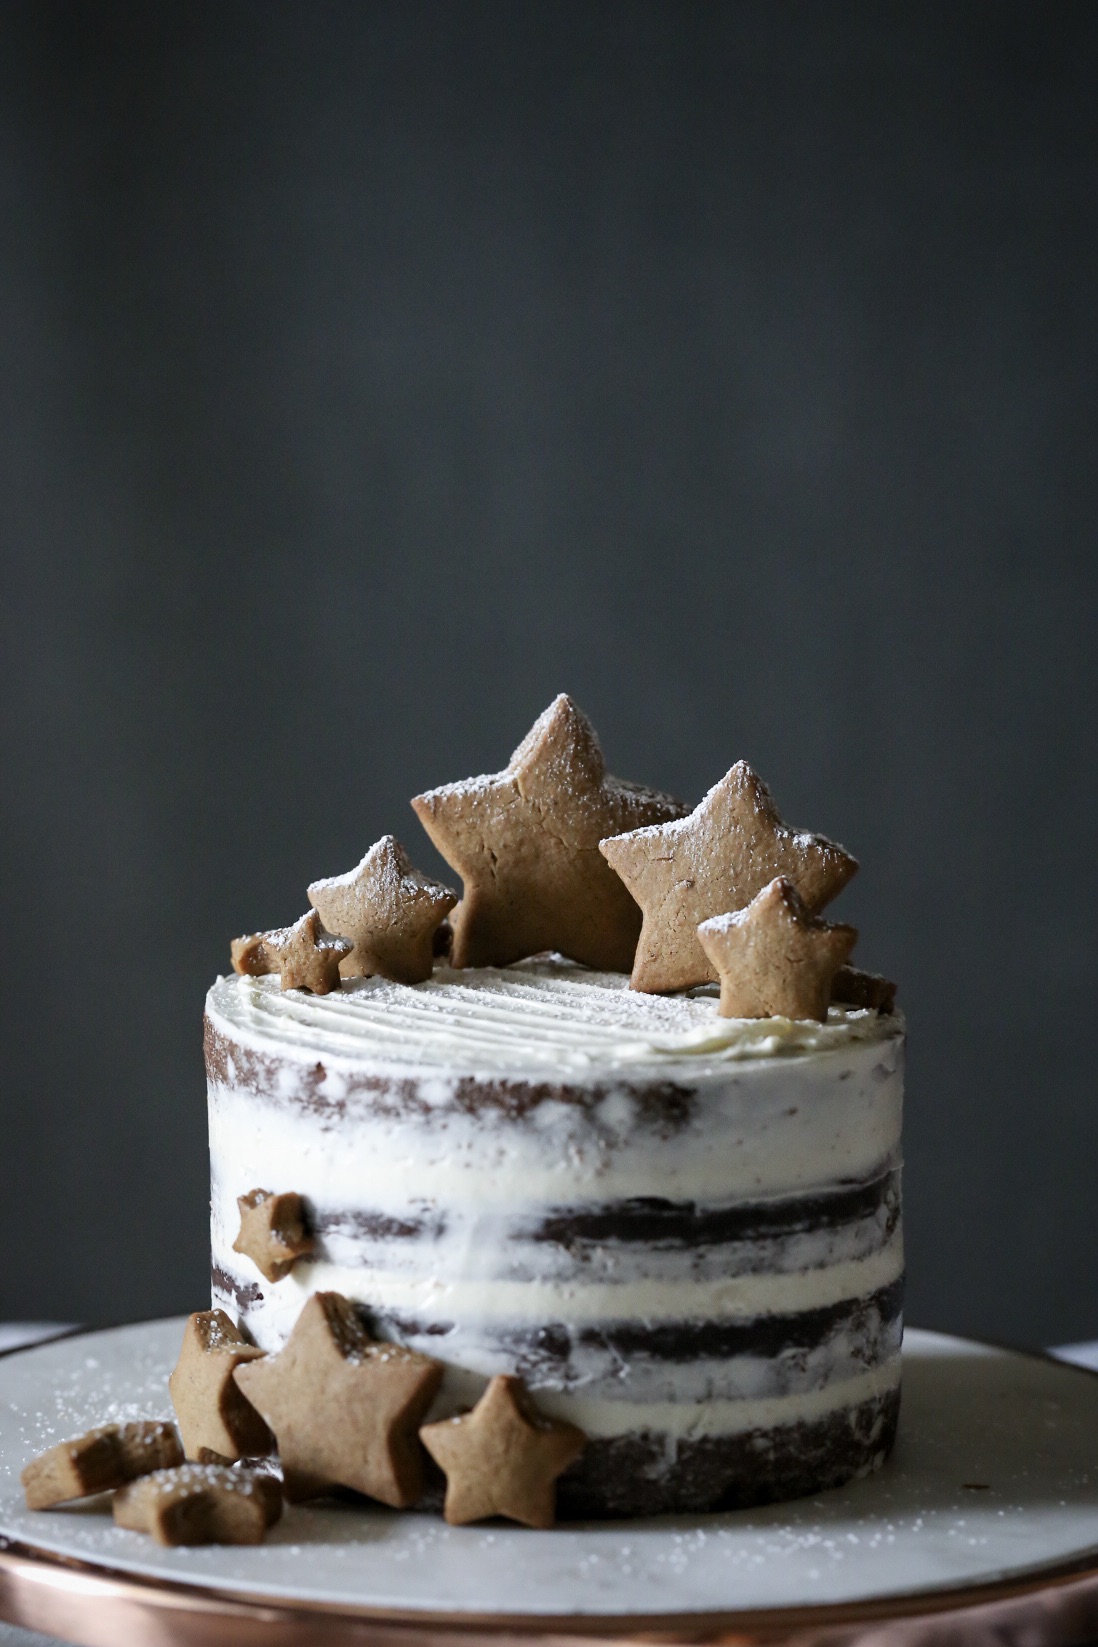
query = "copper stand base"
{"x": 95, "y": 1607}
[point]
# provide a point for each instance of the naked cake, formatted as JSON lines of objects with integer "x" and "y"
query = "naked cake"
{"x": 526, "y": 1133}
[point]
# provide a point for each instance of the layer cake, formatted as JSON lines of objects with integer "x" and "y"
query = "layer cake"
{"x": 682, "y": 1231}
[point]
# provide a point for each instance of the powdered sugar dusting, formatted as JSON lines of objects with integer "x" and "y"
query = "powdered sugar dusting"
{"x": 559, "y": 769}
{"x": 739, "y": 806}
{"x": 392, "y": 875}
{"x": 190, "y": 1477}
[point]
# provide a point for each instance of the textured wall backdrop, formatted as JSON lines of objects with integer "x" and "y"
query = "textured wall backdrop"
{"x": 373, "y": 371}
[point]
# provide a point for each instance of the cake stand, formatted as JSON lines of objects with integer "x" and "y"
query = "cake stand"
{"x": 982, "y": 1527}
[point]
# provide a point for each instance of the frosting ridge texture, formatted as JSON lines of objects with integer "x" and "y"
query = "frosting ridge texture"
{"x": 543, "y": 1015}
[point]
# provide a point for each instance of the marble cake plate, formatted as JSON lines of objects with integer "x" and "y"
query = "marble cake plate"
{"x": 985, "y": 1520}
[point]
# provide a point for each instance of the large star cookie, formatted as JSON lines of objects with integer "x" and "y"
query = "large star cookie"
{"x": 774, "y": 958}
{"x": 503, "y": 1458}
{"x": 344, "y": 1408}
{"x": 526, "y": 843}
{"x": 388, "y": 911}
{"x": 682, "y": 873}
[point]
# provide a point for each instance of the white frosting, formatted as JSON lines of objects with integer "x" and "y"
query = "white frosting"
{"x": 360, "y": 1101}
{"x": 542, "y": 1016}
{"x": 769, "y": 1126}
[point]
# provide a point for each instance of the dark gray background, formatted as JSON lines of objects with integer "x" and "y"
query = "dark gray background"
{"x": 372, "y": 372}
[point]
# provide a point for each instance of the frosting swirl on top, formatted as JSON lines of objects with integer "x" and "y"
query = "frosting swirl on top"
{"x": 543, "y": 1016}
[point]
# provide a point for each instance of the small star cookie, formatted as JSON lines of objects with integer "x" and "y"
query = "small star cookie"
{"x": 104, "y": 1458}
{"x": 855, "y": 988}
{"x": 388, "y": 911}
{"x": 525, "y": 842}
{"x": 717, "y": 859}
{"x": 304, "y": 956}
{"x": 344, "y": 1408}
{"x": 212, "y": 1412}
{"x": 503, "y": 1458}
{"x": 273, "y": 1232}
{"x": 250, "y": 955}
{"x": 201, "y": 1504}
{"x": 774, "y": 958}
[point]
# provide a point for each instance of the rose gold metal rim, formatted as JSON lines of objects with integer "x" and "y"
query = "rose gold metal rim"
{"x": 102, "y": 1607}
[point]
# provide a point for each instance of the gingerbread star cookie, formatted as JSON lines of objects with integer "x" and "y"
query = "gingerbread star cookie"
{"x": 304, "y": 955}
{"x": 104, "y": 1458}
{"x": 774, "y": 958}
{"x": 717, "y": 859}
{"x": 388, "y": 911}
{"x": 503, "y": 1458}
{"x": 201, "y": 1504}
{"x": 344, "y": 1408}
{"x": 214, "y": 1417}
{"x": 853, "y": 987}
{"x": 525, "y": 843}
{"x": 273, "y": 1231}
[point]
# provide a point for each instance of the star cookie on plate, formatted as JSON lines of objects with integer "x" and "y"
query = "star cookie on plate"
{"x": 681, "y": 873}
{"x": 388, "y": 911}
{"x": 304, "y": 956}
{"x": 525, "y": 842}
{"x": 344, "y": 1408}
{"x": 503, "y": 1458}
{"x": 273, "y": 1232}
{"x": 774, "y": 958}
{"x": 104, "y": 1458}
{"x": 201, "y": 1504}
{"x": 212, "y": 1412}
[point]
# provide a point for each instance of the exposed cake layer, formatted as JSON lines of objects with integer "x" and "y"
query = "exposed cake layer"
{"x": 502, "y": 1133}
{"x": 689, "y": 1237}
{"x": 639, "y": 1475}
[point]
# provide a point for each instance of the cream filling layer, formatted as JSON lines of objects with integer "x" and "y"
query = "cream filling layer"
{"x": 438, "y": 1299}
{"x": 686, "y": 1421}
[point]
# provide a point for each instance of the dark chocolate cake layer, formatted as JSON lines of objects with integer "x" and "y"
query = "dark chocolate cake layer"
{"x": 631, "y": 1476}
